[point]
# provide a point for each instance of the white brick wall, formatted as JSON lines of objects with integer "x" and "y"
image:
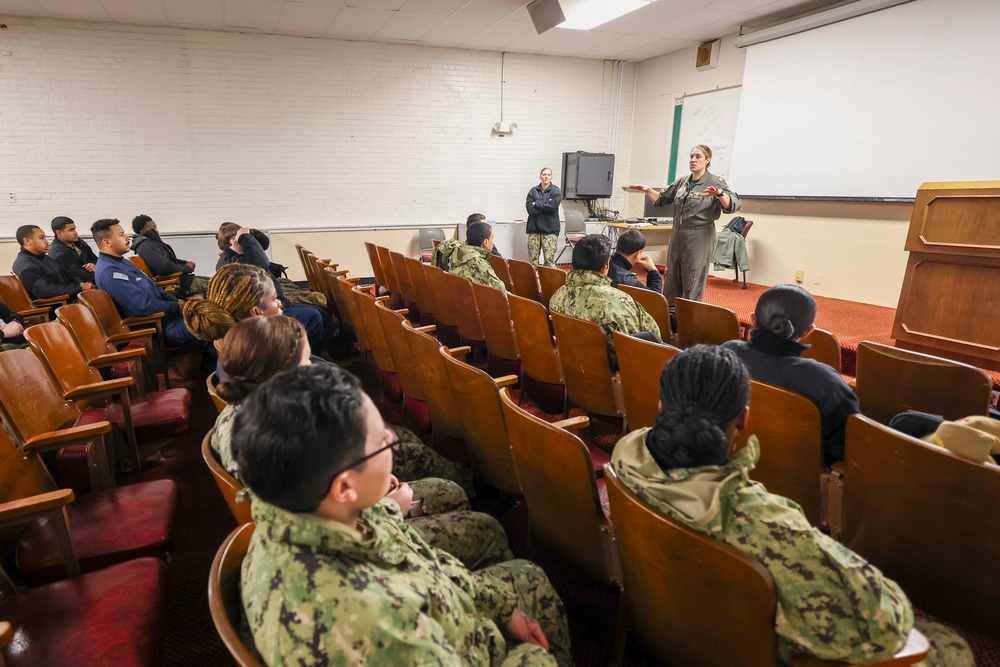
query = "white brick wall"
{"x": 196, "y": 127}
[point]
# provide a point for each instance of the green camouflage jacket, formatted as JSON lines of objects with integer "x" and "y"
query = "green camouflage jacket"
{"x": 222, "y": 440}
{"x": 831, "y": 602}
{"x": 590, "y": 296}
{"x": 317, "y": 593}
{"x": 473, "y": 263}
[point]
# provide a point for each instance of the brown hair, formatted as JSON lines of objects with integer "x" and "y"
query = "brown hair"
{"x": 232, "y": 292}
{"x": 227, "y": 231}
{"x": 707, "y": 151}
{"x": 257, "y": 349}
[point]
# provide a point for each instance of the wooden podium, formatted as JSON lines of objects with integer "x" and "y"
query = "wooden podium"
{"x": 950, "y": 301}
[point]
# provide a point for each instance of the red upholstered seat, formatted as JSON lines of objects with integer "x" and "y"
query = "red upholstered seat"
{"x": 390, "y": 385}
{"x": 417, "y": 411}
{"x": 162, "y": 414}
{"x": 106, "y": 527}
{"x": 71, "y": 470}
{"x": 109, "y": 617}
{"x": 599, "y": 457}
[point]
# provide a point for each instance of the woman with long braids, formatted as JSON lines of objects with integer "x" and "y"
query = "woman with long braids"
{"x": 258, "y": 348}
{"x": 831, "y": 602}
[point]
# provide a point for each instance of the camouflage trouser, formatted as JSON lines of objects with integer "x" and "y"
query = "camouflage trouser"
{"x": 12, "y": 346}
{"x": 415, "y": 460}
{"x": 297, "y": 294}
{"x": 520, "y": 584}
{"x": 547, "y": 244}
{"x": 198, "y": 286}
{"x": 438, "y": 495}
{"x": 947, "y": 648}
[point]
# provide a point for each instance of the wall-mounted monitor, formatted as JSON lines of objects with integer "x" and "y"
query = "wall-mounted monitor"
{"x": 587, "y": 175}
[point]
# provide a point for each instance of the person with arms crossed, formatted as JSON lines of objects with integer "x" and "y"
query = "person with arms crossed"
{"x": 542, "y": 204}
{"x": 39, "y": 273}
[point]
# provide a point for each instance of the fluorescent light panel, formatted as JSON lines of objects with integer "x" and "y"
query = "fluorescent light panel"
{"x": 587, "y": 14}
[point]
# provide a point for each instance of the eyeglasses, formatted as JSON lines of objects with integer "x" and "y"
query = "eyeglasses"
{"x": 394, "y": 446}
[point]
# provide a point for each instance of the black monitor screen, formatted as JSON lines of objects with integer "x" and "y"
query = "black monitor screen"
{"x": 650, "y": 211}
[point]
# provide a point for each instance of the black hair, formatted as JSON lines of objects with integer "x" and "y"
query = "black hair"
{"x": 591, "y": 253}
{"x": 475, "y": 217}
{"x": 25, "y": 232}
{"x": 703, "y": 389}
{"x": 101, "y": 229}
{"x": 630, "y": 241}
{"x": 477, "y": 233}
{"x": 140, "y": 221}
{"x": 785, "y": 311}
{"x": 262, "y": 238}
{"x": 59, "y": 223}
{"x": 296, "y": 430}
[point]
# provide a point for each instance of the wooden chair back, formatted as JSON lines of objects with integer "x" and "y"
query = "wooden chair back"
{"x": 558, "y": 481}
{"x": 224, "y": 599}
{"x": 422, "y": 290}
{"x": 640, "y": 364}
{"x": 312, "y": 267}
{"x": 823, "y": 347}
{"x": 790, "y": 432}
{"x": 20, "y": 477}
{"x": 53, "y": 343}
{"x": 13, "y": 294}
{"x": 402, "y": 272}
{"x": 141, "y": 265}
{"x": 445, "y": 312}
{"x": 391, "y": 279}
{"x": 335, "y": 297}
{"x": 682, "y": 586}
{"x": 500, "y": 268}
{"x": 494, "y": 315}
{"x": 525, "y": 280}
{"x": 98, "y": 351}
{"x": 399, "y": 347}
{"x": 655, "y": 304}
{"x": 300, "y": 251}
{"x": 103, "y": 307}
{"x": 921, "y": 515}
{"x": 537, "y": 350}
{"x": 353, "y": 313}
{"x": 317, "y": 279}
{"x": 373, "y": 328}
{"x": 228, "y": 485}
{"x": 550, "y": 279}
{"x": 583, "y": 355}
{"x": 701, "y": 323}
{"x": 211, "y": 382}
{"x": 441, "y": 405}
{"x": 483, "y": 426}
{"x": 891, "y": 380}
{"x": 466, "y": 309}
{"x": 117, "y": 330}
{"x": 376, "y": 263}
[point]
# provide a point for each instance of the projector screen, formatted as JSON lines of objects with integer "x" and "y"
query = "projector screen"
{"x": 874, "y": 106}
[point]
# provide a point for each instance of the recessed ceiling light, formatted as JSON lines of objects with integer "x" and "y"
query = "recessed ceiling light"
{"x": 587, "y": 14}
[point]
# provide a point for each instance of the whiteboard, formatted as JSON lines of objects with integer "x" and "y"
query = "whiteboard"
{"x": 710, "y": 119}
{"x": 873, "y": 106}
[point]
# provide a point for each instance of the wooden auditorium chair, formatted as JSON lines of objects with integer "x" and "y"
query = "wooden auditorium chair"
{"x": 211, "y": 386}
{"x": 525, "y": 279}
{"x": 541, "y": 372}
{"x": 656, "y": 305}
{"x": 13, "y": 293}
{"x": 145, "y": 420}
{"x": 406, "y": 290}
{"x": 228, "y": 485}
{"x": 426, "y": 301}
{"x": 823, "y": 347}
{"x": 335, "y": 300}
{"x": 701, "y": 323}
{"x": 445, "y": 313}
{"x": 550, "y": 279}
{"x": 410, "y": 380}
{"x": 640, "y": 364}
{"x": 101, "y": 354}
{"x": 583, "y": 355}
{"x": 498, "y": 330}
{"x": 483, "y": 426}
{"x": 502, "y": 270}
{"x": 466, "y": 311}
{"x": 790, "y": 433}
{"x": 353, "y": 317}
{"x": 377, "y": 271}
{"x": 682, "y": 588}
{"x": 384, "y": 364}
{"x": 891, "y": 380}
{"x": 169, "y": 282}
{"x": 224, "y": 599}
{"x": 391, "y": 279}
{"x": 925, "y": 517}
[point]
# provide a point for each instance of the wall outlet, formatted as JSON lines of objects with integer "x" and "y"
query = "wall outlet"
{"x": 800, "y": 276}
{"x": 11, "y": 198}
{"x": 817, "y": 279}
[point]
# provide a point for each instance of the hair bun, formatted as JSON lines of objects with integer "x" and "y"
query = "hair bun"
{"x": 781, "y": 327}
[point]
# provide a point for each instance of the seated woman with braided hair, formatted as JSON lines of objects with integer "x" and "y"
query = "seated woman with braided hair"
{"x": 831, "y": 602}
{"x": 239, "y": 291}
{"x": 258, "y": 348}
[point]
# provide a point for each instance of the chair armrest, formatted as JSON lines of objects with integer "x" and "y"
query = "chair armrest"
{"x": 25, "y": 507}
{"x": 117, "y": 357}
{"x": 169, "y": 276}
{"x": 456, "y": 351}
{"x": 853, "y": 384}
{"x": 167, "y": 282}
{"x": 30, "y": 312}
{"x": 914, "y": 650}
{"x": 6, "y": 633}
{"x": 506, "y": 380}
{"x": 135, "y": 334}
{"x": 402, "y": 311}
{"x": 145, "y": 319}
{"x": 351, "y": 280}
{"x": 51, "y": 301}
{"x": 383, "y": 298}
{"x": 342, "y": 272}
{"x": 430, "y": 328}
{"x": 573, "y": 424}
{"x": 98, "y": 389}
{"x": 67, "y": 436}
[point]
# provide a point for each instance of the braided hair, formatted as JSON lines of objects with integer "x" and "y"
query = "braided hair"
{"x": 785, "y": 311}
{"x": 255, "y": 350}
{"x": 233, "y": 292}
{"x": 702, "y": 389}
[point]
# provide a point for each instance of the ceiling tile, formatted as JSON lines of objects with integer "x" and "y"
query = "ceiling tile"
{"x": 520, "y": 16}
{"x": 651, "y": 14}
{"x": 454, "y": 31}
{"x": 616, "y": 47}
{"x": 747, "y": 6}
{"x": 256, "y": 14}
{"x": 440, "y": 7}
{"x": 304, "y": 18}
{"x": 718, "y": 29}
{"x": 499, "y": 35}
{"x": 532, "y": 42}
{"x": 394, "y": 5}
{"x": 75, "y": 9}
{"x": 580, "y": 42}
{"x": 658, "y": 48}
{"x": 356, "y": 23}
{"x": 209, "y": 14}
{"x": 408, "y": 26}
{"x": 135, "y": 11}
{"x": 29, "y": 7}
{"x": 494, "y": 10}
{"x": 688, "y": 21}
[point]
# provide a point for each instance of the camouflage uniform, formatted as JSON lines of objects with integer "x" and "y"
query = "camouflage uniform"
{"x": 319, "y": 592}
{"x": 443, "y": 252}
{"x": 590, "y": 296}
{"x": 831, "y": 602}
{"x": 544, "y": 243}
{"x": 474, "y": 264}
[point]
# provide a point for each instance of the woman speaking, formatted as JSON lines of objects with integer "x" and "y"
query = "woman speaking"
{"x": 699, "y": 200}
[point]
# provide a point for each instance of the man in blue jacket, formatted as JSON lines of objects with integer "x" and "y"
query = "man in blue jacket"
{"x": 70, "y": 252}
{"x": 629, "y": 253}
{"x": 39, "y": 272}
{"x": 134, "y": 293}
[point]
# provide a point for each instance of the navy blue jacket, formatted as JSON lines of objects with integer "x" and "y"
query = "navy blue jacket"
{"x": 71, "y": 263}
{"x": 253, "y": 253}
{"x": 42, "y": 276}
{"x": 620, "y": 272}
{"x": 135, "y": 294}
{"x": 543, "y": 209}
